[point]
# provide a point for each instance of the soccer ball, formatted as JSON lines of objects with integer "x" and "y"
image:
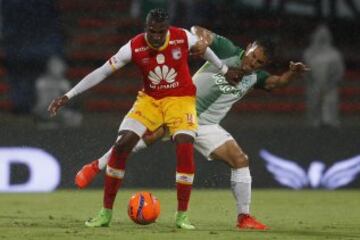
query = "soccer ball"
{"x": 143, "y": 208}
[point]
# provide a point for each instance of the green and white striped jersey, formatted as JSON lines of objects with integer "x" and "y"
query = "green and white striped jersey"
{"x": 214, "y": 96}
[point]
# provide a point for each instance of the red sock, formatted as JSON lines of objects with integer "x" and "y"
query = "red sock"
{"x": 113, "y": 180}
{"x": 183, "y": 196}
{"x": 185, "y": 168}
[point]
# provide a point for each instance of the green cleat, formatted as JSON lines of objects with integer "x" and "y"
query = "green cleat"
{"x": 101, "y": 220}
{"x": 182, "y": 221}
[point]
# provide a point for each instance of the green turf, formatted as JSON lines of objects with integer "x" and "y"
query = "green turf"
{"x": 290, "y": 214}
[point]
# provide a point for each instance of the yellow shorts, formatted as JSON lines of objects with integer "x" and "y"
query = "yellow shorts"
{"x": 177, "y": 113}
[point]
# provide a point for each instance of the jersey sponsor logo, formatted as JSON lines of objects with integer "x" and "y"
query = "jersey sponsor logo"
{"x": 241, "y": 89}
{"x": 176, "y": 53}
{"x": 160, "y": 58}
{"x": 223, "y": 86}
{"x": 163, "y": 73}
{"x": 176, "y": 41}
{"x": 141, "y": 49}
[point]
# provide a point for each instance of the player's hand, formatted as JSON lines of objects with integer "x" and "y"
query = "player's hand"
{"x": 199, "y": 48}
{"x": 56, "y": 104}
{"x": 203, "y": 34}
{"x": 233, "y": 76}
{"x": 298, "y": 67}
{"x": 205, "y": 39}
{"x": 151, "y": 137}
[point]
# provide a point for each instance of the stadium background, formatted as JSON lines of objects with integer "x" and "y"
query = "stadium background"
{"x": 91, "y": 31}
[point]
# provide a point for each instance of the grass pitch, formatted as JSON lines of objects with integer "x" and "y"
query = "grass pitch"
{"x": 290, "y": 214}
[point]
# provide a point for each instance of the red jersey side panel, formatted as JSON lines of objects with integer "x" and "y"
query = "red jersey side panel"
{"x": 166, "y": 72}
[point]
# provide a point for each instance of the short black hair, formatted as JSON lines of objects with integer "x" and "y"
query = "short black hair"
{"x": 268, "y": 45}
{"x": 157, "y": 15}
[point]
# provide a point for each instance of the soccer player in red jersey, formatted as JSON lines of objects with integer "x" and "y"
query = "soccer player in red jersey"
{"x": 167, "y": 98}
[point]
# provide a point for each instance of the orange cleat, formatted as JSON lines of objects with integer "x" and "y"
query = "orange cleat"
{"x": 87, "y": 173}
{"x": 245, "y": 221}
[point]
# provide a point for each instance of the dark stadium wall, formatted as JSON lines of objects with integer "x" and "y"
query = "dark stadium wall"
{"x": 280, "y": 157}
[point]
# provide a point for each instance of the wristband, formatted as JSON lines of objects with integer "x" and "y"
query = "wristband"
{"x": 224, "y": 69}
{"x": 70, "y": 94}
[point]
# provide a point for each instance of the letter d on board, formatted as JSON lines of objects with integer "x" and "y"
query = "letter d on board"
{"x": 44, "y": 169}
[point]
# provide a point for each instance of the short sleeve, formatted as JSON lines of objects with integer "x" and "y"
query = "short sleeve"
{"x": 261, "y": 79}
{"x": 223, "y": 47}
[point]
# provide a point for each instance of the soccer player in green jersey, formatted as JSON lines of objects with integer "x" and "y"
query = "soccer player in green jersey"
{"x": 215, "y": 98}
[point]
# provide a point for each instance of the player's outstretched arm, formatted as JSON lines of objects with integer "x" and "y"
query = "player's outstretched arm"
{"x": 296, "y": 70}
{"x": 208, "y": 54}
{"x": 121, "y": 58}
{"x": 87, "y": 82}
{"x": 202, "y": 47}
{"x": 205, "y": 40}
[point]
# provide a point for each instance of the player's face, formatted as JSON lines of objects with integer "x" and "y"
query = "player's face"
{"x": 156, "y": 33}
{"x": 254, "y": 58}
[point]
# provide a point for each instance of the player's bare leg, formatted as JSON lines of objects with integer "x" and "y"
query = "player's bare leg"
{"x": 231, "y": 153}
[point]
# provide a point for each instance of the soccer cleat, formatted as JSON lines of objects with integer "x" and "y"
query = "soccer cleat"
{"x": 245, "y": 221}
{"x": 103, "y": 219}
{"x": 182, "y": 221}
{"x": 87, "y": 173}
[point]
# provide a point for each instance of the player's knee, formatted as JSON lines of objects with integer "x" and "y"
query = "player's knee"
{"x": 126, "y": 142}
{"x": 241, "y": 160}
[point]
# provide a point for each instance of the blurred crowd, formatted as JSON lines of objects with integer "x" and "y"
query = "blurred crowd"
{"x": 327, "y": 71}
{"x": 34, "y": 58}
{"x": 33, "y": 46}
